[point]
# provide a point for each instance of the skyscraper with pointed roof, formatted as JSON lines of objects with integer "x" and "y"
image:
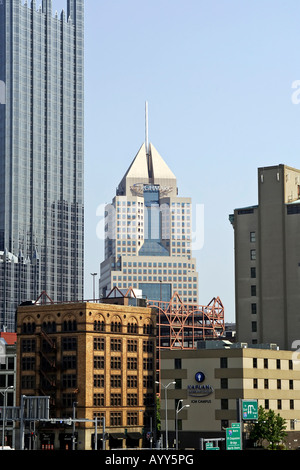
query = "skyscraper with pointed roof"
{"x": 41, "y": 153}
{"x": 148, "y": 231}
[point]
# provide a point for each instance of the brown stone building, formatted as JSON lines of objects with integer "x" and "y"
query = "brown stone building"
{"x": 94, "y": 360}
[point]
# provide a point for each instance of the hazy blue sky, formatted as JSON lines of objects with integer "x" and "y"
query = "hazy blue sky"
{"x": 218, "y": 78}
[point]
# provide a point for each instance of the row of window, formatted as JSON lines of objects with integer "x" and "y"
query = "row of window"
{"x": 224, "y": 363}
{"x": 116, "y": 399}
{"x": 71, "y": 326}
{"x": 291, "y": 404}
{"x": 116, "y": 363}
{"x": 117, "y": 327}
{"x": 116, "y": 344}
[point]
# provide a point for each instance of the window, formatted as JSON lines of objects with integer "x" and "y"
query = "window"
{"x": 255, "y": 383}
{"x": 69, "y": 381}
{"x": 266, "y": 363}
{"x": 132, "y": 345}
{"x": 177, "y": 363}
{"x": 132, "y": 381}
{"x": 254, "y": 326}
{"x": 279, "y": 404}
{"x": 115, "y": 381}
{"x": 267, "y": 405}
{"x": 253, "y": 273}
{"x": 99, "y": 325}
{"x": 70, "y": 325}
{"x": 99, "y": 344}
{"x": 28, "y": 345}
{"x": 252, "y": 237}
{"x": 253, "y": 291}
{"x": 224, "y": 404}
{"x": 115, "y": 363}
{"x": 115, "y": 419}
{"x": 98, "y": 380}
{"x": 266, "y": 383}
{"x": 223, "y": 362}
{"x": 98, "y": 399}
{"x": 69, "y": 344}
{"x": 132, "y": 418}
{"x": 253, "y": 255}
{"x": 115, "y": 344}
{"x": 255, "y": 363}
{"x": 116, "y": 326}
{"x": 131, "y": 363}
{"x": 224, "y": 383}
{"x": 115, "y": 399}
{"x": 253, "y": 309}
{"x": 278, "y": 384}
{"x": 132, "y": 399}
{"x": 98, "y": 362}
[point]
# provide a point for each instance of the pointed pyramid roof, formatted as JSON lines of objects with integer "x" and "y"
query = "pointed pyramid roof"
{"x": 139, "y": 166}
{"x": 147, "y": 169}
{"x": 136, "y": 173}
{"x": 160, "y": 170}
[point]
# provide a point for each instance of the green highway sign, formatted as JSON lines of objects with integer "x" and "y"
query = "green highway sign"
{"x": 233, "y": 437}
{"x": 210, "y": 446}
{"x": 249, "y": 410}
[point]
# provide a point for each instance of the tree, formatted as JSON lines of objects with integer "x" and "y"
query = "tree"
{"x": 269, "y": 427}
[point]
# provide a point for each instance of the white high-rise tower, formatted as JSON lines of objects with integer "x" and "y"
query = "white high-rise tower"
{"x": 148, "y": 230}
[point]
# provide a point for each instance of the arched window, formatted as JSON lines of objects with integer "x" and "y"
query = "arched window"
{"x": 148, "y": 328}
{"x": 132, "y": 326}
{"x": 69, "y": 325}
{"x": 49, "y": 326}
{"x": 116, "y": 325}
{"x": 99, "y": 323}
{"x": 29, "y": 326}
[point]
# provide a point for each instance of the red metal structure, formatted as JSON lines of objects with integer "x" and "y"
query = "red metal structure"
{"x": 182, "y": 325}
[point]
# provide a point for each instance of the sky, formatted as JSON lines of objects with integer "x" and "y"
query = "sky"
{"x": 218, "y": 77}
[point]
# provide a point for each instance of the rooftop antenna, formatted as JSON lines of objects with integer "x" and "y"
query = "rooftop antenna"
{"x": 146, "y": 128}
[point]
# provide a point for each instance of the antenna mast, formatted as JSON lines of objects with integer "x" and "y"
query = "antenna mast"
{"x": 146, "y": 128}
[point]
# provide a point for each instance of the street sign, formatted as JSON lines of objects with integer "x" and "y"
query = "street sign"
{"x": 233, "y": 437}
{"x": 249, "y": 410}
{"x": 210, "y": 446}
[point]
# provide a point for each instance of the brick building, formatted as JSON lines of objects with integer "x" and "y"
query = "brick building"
{"x": 94, "y": 360}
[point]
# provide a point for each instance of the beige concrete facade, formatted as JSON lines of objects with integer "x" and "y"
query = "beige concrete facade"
{"x": 267, "y": 260}
{"x": 270, "y": 376}
{"x": 101, "y": 356}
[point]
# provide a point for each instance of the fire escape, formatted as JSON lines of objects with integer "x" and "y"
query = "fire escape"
{"x": 48, "y": 366}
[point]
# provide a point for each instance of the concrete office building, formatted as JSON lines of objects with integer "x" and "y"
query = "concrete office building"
{"x": 148, "y": 233}
{"x": 41, "y": 153}
{"x": 212, "y": 378}
{"x": 95, "y": 359}
{"x": 267, "y": 260}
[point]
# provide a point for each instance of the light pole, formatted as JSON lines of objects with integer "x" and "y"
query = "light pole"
{"x": 178, "y": 411}
{"x": 166, "y": 407}
{"x": 4, "y": 412}
{"x": 94, "y": 274}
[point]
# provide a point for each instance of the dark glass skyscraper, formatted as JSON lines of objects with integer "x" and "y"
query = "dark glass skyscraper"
{"x": 41, "y": 153}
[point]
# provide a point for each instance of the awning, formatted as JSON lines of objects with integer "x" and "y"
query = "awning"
{"x": 117, "y": 435}
{"x": 135, "y": 435}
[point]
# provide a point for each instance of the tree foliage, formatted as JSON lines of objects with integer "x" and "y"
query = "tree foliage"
{"x": 269, "y": 427}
